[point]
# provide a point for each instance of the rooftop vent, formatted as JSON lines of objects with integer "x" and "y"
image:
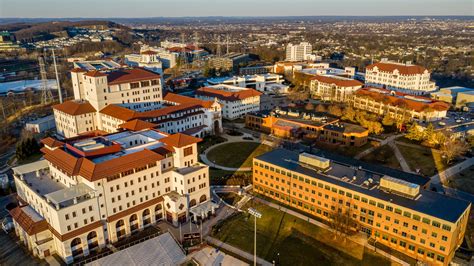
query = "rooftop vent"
{"x": 313, "y": 160}
{"x": 400, "y": 187}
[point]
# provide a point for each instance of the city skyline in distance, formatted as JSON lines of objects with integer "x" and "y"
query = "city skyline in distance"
{"x": 233, "y": 8}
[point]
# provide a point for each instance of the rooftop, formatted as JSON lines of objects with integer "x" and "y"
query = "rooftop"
{"x": 404, "y": 69}
{"x": 75, "y": 107}
{"x": 366, "y": 182}
{"x": 228, "y": 93}
{"x": 416, "y": 103}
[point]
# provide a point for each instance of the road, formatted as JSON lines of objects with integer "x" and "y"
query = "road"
{"x": 3, "y": 202}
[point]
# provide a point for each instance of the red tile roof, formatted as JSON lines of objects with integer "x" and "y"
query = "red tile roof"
{"x": 26, "y": 222}
{"x": 78, "y": 70}
{"x": 95, "y": 73}
{"x": 149, "y": 52}
{"x": 415, "y": 103}
{"x": 228, "y": 95}
{"x": 75, "y": 107}
{"x": 337, "y": 81}
{"x": 180, "y": 140}
{"x": 94, "y": 171}
{"x": 118, "y": 112}
{"x": 130, "y": 75}
{"x": 52, "y": 142}
{"x": 180, "y": 99}
{"x": 402, "y": 69}
{"x": 137, "y": 124}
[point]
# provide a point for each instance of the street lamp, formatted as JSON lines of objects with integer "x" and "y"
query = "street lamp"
{"x": 256, "y": 214}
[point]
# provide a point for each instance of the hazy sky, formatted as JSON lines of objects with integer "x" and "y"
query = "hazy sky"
{"x": 176, "y": 8}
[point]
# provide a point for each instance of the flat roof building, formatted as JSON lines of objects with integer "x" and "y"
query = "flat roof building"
{"x": 395, "y": 210}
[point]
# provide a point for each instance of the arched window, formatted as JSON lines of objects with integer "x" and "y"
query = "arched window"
{"x": 192, "y": 203}
{"x": 133, "y": 218}
{"x": 202, "y": 198}
{"x": 75, "y": 242}
{"x": 91, "y": 235}
{"x": 119, "y": 224}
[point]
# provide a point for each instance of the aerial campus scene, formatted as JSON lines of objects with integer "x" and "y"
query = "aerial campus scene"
{"x": 236, "y": 132}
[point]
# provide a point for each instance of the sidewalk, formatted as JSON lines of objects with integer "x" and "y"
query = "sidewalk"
{"x": 400, "y": 158}
{"x": 230, "y": 139}
{"x": 234, "y": 250}
{"x": 371, "y": 149}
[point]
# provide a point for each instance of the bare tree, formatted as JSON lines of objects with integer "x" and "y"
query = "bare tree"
{"x": 341, "y": 219}
{"x": 453, "y": 147}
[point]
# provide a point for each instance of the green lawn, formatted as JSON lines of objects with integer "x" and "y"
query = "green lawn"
{"x": 209, "y": 141}
{"x": 297, "y": 241}
{"x": 237, "y": 154}
{"x": 383, "y": 155}
{"x": 349, "y": 151}
{"x": 463, "y": 180}
{"x": 429, "y": 162}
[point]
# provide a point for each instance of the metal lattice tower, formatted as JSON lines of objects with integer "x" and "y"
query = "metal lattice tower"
{"x": 183, "y": 51}
{"x": 196, "y": 43}
{"x": 46, "y": 95}
{"x": 218, "y": 49}
{"x": 227, "y": 43}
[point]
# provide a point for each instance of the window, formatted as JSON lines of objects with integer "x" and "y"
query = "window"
{"x": 446, "y": 227}
{"x": 444, "y": 238}
{"x": 188, "y": 151}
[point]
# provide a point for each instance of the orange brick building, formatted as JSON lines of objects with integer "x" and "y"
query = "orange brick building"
{"x": 295, "y": 125}
{"x": 396, "y": 211}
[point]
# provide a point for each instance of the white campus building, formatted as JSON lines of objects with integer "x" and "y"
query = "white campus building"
{"x": 261, "y": 82}
{"x": 147, "y": 59}
{"x": 299, "y": 52}
{"x": 406, "y": 78}
{"x": 131, "y": 98}
{"x": 93, "y": 191}
{"x": 235, "y": 101}
{"x": 168, "y": 58}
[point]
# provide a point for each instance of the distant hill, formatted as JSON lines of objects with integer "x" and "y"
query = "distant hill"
{"x": 27, "y": 32}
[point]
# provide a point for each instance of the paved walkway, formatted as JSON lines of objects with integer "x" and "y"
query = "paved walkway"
{"x": 371, "y": 149}
{"x": 400, "y": 158}
{"x": 234, "y": 250}
{"x": 230, "y": 139}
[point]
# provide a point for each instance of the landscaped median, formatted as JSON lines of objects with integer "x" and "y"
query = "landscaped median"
{"x": 295, "y": 240}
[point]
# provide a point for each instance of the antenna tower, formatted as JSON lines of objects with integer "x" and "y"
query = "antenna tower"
{"x": 219, "y": 53}
{"x": 46, "y": 95}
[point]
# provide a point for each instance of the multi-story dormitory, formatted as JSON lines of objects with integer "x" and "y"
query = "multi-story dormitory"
{"x": 97, "y": 190}
{"x": 394, "y": 208}
{"x": 107, "y": 98}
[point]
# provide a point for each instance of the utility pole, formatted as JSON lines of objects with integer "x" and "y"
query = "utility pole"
{"x": 227, "y": 43}
{"x": 57, "y": 78}
{"x": 256, "y": 215}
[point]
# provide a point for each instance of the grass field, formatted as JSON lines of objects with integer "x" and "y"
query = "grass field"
{"x": 297, "y": 241}
{"x": 427, "y": 161}
{"x": 236, "y": 154}
{"x": 383, "y": 155}
{"x": 463, "y": 180}
{"x": 349, "y": 151}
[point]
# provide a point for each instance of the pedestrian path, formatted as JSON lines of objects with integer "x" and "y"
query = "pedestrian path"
{"x": 230, "y": 139}
{"x": 400, "y": 158}
{"x": 237, "y": 251}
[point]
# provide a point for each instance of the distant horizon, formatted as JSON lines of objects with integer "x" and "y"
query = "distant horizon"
{"x": 264, "y": 16}
{"x": 230, "y": 8}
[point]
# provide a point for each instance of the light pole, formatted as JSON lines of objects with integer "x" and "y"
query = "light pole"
{"x": 256, "y": 215}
